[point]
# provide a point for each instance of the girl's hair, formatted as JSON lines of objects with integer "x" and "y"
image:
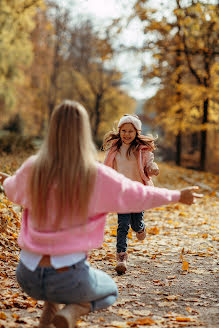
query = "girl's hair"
{"x": 112, "y": 139}
{"x": 65, "y": 165}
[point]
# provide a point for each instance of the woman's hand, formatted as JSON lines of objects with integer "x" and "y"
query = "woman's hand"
{"x": 3, "y": 176}
{"x": 188, "y": 195}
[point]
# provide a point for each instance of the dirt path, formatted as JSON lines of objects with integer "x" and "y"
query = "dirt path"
{"x": 172, "y": 278}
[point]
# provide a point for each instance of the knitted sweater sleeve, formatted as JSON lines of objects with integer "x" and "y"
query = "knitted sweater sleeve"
{"x": 116, "y": 193}
{"x": 16, "y": 185}
{"x": 149, "y": 160}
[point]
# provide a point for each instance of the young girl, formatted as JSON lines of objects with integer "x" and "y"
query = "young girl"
{"x": 66, "y": 195}
{"x": 130, "y": 153}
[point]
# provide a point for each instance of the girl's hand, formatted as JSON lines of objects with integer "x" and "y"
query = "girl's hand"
{"x": 3, "y": 176}
{"x": 153, "y": 171}
{"x": 188, "y": 195}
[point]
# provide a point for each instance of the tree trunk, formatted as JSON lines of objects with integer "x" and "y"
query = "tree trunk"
{"x": 178, "y": 148}
{"x": 178, "y": 93}
{"x": 204, "y": 137}
{"x": 97, "y": 115}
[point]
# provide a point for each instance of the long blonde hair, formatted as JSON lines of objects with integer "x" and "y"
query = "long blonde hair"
{"x": 66, "y": 159}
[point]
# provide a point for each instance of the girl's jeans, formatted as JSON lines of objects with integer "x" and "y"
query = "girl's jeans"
{"x": 80, "y": 284}
{"x": 136, "y": 220}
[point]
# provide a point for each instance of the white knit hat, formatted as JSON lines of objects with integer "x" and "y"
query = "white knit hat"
{"x": 130, "y": 119}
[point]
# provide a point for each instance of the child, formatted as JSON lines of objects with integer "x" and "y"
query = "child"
{"x": 66, "y": 195}
{"x": 130, "y": 153}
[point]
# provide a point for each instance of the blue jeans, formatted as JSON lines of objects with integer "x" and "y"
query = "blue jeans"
{"x": 136, "y": 220}
{"x": 80, "y": 284}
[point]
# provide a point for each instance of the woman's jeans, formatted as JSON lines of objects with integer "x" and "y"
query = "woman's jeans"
{"x": 80, "y": 284}
{"x": 136, "y": 220}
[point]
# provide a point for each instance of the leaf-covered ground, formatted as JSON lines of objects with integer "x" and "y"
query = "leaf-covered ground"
{"x": 172, "y": 277}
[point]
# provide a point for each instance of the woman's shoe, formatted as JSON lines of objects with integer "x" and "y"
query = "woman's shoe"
{"x": 68, "y": 316}
{"x": 48, "y": 314}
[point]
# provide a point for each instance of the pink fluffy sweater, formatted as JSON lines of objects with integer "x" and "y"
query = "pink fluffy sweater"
{"x": 112, "y": 193}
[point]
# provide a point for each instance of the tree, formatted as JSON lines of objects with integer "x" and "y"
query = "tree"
{"x": 201, "y": 48}
{"x": 16, "y": 24}
{"x": 95, "y": 82}
{"x": 72, "y": 61}
{"x": 32, "y": 95}
{"x": 185, "y": 52}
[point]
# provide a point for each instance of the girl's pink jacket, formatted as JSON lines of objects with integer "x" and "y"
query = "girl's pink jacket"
{"x": 112, "y": 193}
{"x": 145, "y": 160}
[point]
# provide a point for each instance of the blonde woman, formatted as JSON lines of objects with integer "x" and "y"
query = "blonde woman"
{"x": 66, "y": 195}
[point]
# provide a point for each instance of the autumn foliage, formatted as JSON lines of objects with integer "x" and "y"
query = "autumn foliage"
{"x": 57, "y": 56}
{"x": 185, "y": 50}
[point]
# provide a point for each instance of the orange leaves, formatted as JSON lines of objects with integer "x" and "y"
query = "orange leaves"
{"x": 183, "y": 214}
{"x": 183, "y": 319}
{"x": 2, "y": 315}
{"x": 135, "y": 324}
{"x": 144, "y": 322}
{"x": 113, "y": 232}
{"x": 153, "y": 231}
{"x": 185, "y": 266}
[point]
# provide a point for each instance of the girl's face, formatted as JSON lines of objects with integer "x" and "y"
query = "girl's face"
{"x": 127, "y": 133}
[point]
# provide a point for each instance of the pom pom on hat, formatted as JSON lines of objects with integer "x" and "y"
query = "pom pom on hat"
{"x": 130, "y": 119}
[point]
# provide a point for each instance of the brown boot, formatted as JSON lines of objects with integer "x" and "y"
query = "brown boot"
{"x": 141, "y": 234}
{"x": 49, "y": 311}
{"x": 68, "y": 316}
{"x": 121, "y": 266}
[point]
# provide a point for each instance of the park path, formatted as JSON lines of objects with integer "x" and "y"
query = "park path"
{"x": 172, "y": 277}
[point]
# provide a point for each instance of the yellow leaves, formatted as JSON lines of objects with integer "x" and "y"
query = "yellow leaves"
{"x": 185, "y": 264}
{"x": 15, "y": 316}
{"x": 16, "y": 26}
{"x": 143, "y": 322}
{"x": 113, "y": 232}
{"x": 182, "y": 214}
{"x": 129, "y": 234}
{"x": 153, "y": 231}
{"x": 160, "y": 209}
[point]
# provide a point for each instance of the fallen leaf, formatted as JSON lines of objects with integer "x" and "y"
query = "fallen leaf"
{"x": 185, "y": 266}
{"x": 183, "y": 319}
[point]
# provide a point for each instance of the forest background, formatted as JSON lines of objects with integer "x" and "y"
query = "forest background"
{"x": 47, "y": 54}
